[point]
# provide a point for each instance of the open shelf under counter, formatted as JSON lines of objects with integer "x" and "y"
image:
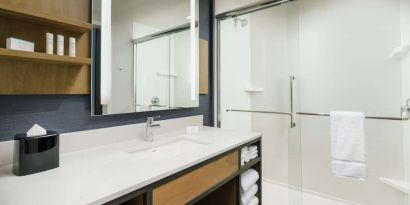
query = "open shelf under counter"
{"x": 19, "y": 13}
{"x": 43, "y": 57}
{"x": 249, "y": 164}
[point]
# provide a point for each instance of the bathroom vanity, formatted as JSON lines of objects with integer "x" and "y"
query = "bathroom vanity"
{"x": 176, "y": 168}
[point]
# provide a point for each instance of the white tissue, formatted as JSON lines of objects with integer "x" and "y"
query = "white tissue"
{"x": 36, "y": 130}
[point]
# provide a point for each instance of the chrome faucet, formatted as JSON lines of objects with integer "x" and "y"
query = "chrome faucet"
{"x": 150, "y": 124}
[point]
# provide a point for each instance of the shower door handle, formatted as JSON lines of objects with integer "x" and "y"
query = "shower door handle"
{"x": 292, "y": 108}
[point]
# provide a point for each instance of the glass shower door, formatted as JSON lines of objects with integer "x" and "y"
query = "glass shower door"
{"x": 258, "y": 54}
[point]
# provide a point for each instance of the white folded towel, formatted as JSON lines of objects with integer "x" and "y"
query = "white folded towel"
{"x": 252, "y": 153}
{"x": 244, "y": 155}
{"x": 248, "y": 178}
{"x": 248, "y": 153}
{"x": 253, "y": 148}
{"x": 348, "y": 145}
{"x": 254, "y": 201}
{"x": 247, "y": 196}
{"x": 253, "y": 156}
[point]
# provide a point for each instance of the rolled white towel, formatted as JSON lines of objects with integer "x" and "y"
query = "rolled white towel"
{"x": 253, "y": 201}
{"x": 248, "y": 178}
{"x": 247, "y": 196}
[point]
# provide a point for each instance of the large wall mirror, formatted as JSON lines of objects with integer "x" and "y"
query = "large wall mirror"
{"x": 146, "y": 54}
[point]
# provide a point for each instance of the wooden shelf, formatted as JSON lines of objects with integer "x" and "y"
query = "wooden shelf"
{"x": 42, "y": 57}
{"x": 11, "y": 11}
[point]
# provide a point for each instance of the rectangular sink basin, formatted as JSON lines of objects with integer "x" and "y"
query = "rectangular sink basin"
{"x": 169, "y": 150}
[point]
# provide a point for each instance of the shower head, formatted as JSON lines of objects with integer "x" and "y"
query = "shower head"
{"x": 243, "y": 22}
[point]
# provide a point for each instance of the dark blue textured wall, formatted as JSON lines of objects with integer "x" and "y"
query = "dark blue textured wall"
{"x": 68, "y": 113}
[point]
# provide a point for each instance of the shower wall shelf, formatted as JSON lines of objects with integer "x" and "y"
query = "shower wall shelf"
{"x": 254, "y": 89}
{"x": 396, "y": 184}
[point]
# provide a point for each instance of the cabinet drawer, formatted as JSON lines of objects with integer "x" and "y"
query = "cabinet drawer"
{"x": 185, "y": 188}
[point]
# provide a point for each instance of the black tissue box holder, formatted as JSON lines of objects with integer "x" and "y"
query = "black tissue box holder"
{"x": 35, "y": 154}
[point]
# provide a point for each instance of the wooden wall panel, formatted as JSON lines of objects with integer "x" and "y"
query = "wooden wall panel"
{"x": 185, "y": 188}
{"x": 203, "y": 67}
{"x": 19, "y": 78}
{"x": 75, "y": 9}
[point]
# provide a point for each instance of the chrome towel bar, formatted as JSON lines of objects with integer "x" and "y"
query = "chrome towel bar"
{"x": 367, "y": 117}
{"x": 318, "y": 114}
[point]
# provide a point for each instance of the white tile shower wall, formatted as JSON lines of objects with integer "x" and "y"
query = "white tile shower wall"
{"x": 70, "y": 142}
{"x": 130, "y": 20}
{"x": 270, "y": 52}
{"x": 405, "y": 22}
{"x": 235, "y": 72}
{"x": 345, "y": 65}
{"x": 405, "y": 38}
{"x": 153, "y": 57}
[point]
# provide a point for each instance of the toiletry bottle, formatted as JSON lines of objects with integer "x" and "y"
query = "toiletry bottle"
{"x": 72, "y": 47}
{"x": 49, "y": 43}
{"x": 60, "y": 45}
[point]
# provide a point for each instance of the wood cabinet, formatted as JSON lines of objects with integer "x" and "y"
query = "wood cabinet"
{"x": 189, "y": 186}
{"x": 212, "y": 182}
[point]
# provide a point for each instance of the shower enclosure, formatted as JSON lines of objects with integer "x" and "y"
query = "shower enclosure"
{"x": 282, "y": 66}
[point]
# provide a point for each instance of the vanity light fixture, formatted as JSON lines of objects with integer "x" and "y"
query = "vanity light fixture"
{"x": 106, "y": 52}
{"x": 193, "y": 50}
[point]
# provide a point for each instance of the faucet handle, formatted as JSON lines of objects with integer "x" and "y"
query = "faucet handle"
{"x": 153, "y": 117}
{"x": 150, "y": 121}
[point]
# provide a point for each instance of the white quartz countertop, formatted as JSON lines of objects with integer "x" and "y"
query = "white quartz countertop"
{"x": 101, "y": 174}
